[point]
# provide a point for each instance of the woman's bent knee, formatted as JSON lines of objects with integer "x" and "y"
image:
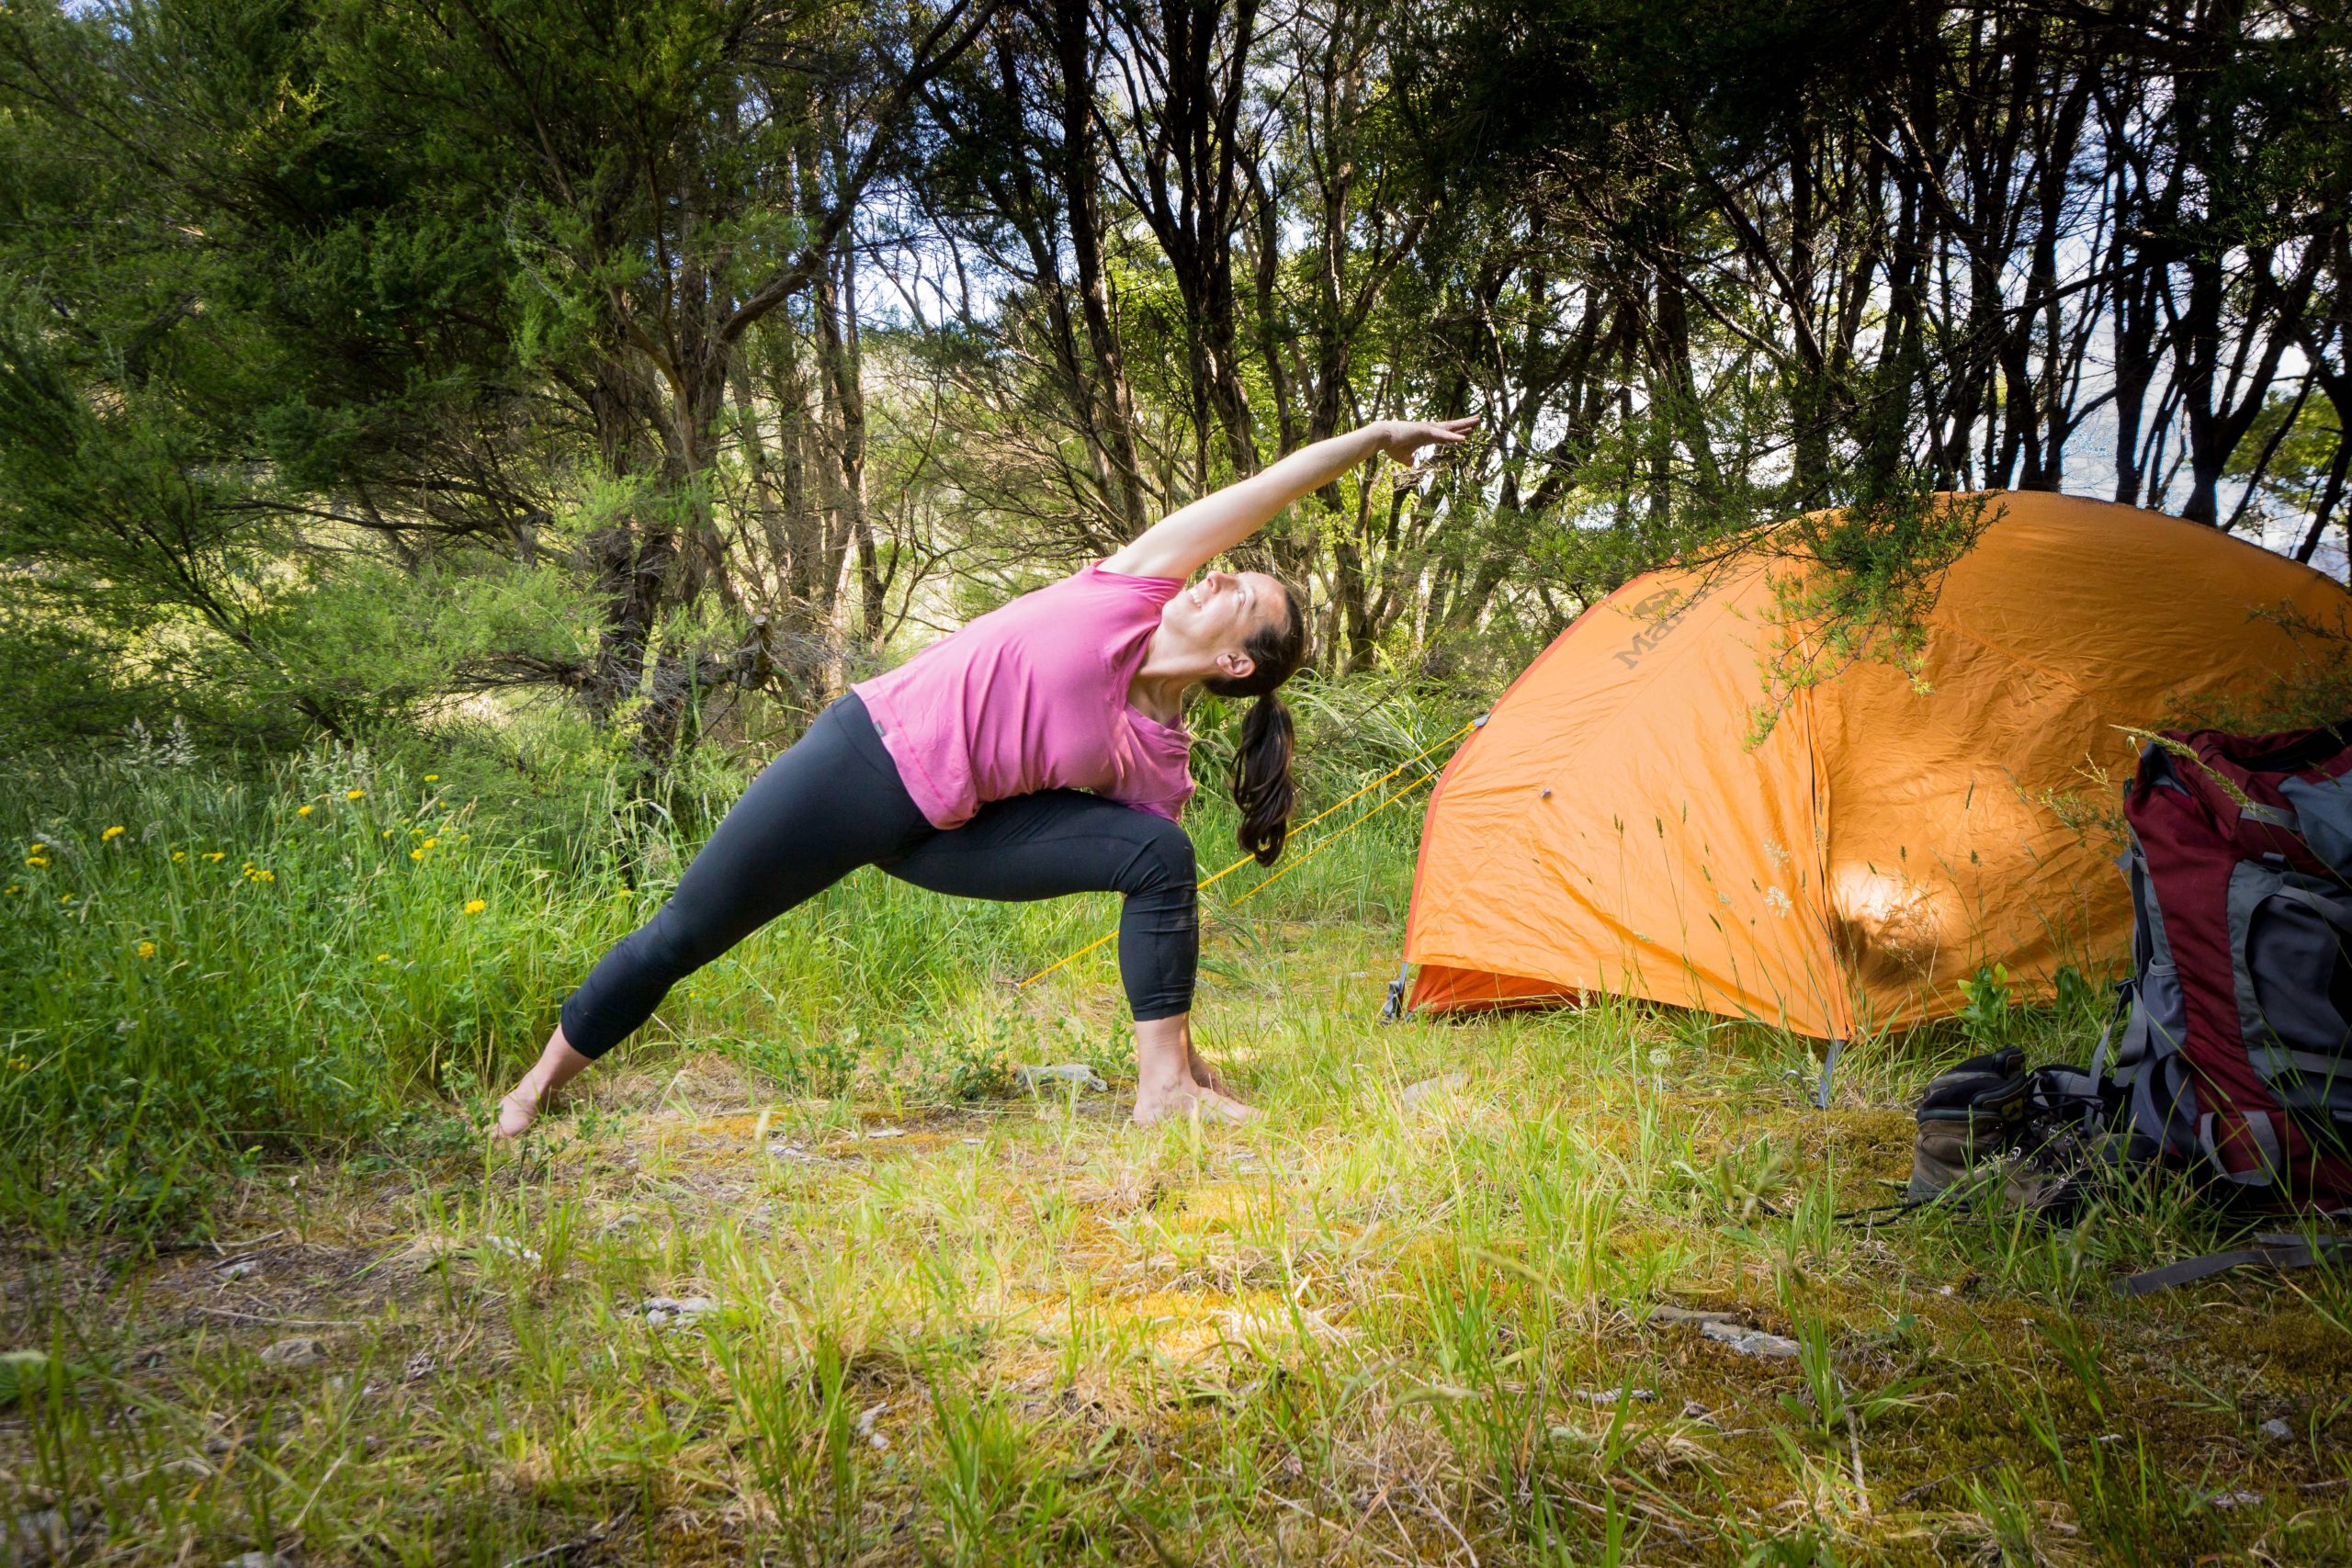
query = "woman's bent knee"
{"x": 1164, "y": 860}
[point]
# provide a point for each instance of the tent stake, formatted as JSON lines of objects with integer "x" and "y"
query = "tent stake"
{"x": 1828, "y": 1066}
{"x": 1394, "y": 1007}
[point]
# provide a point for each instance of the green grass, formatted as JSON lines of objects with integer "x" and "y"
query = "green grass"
{"x": 1019, "y": 1330}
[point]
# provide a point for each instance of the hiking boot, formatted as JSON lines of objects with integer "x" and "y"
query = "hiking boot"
{"x": 1970, "y": 1114}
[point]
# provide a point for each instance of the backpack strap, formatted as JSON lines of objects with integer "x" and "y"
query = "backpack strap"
{"x": 2266, "y": 1142}
{"x": 2122, "y": 1012}
{"x": 2337, "y": 912}
{"x": 2281, "y": 1251}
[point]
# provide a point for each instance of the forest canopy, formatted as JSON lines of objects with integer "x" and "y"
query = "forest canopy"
{"x": 385, "y": 369}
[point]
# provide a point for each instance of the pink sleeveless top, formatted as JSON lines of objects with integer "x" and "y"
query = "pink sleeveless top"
{"x": 1033, "y": 695}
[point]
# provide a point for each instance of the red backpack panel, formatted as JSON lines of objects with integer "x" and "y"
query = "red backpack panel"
{"x": 2238, "y": 1053}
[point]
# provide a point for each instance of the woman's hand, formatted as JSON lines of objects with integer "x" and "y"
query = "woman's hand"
{"x": 1181, "y": 543}
{"x": 1400, "y": 438}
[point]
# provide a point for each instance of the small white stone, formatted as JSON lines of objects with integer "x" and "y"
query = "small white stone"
{"x": 508, "y": 1246}
{"x": 865, "y": 1419}
{"x": 2275, "y": 1428}
{"x": 34, "y": 1536}
{"x": 1608, "y": 1397}
{"x": 1749, "y": 1341}
{"x": 302, "y": 1351}
{"x": 1079, "y": 1072}
{"x": 663, "y": 1311}
{"x": 1411, "y": 1096}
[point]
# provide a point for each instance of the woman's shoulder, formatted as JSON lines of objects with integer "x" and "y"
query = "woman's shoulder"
{"x": 1103, "y": 576}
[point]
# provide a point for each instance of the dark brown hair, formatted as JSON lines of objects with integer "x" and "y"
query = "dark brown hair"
{"x": 1262, "y": 782}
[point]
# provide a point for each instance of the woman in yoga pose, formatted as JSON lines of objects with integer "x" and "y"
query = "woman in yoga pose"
{"x": 1039, "y": 750}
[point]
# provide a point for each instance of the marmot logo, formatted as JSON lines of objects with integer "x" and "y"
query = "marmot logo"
{"x": 1664, "y": 610}
{"x": 1658, "y": 603}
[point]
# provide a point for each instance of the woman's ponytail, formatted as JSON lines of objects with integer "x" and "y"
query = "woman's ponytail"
{"x": 1261, "y": 782}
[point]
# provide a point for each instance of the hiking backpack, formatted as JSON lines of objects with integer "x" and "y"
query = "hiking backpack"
{"x": 2236, "y": 1048}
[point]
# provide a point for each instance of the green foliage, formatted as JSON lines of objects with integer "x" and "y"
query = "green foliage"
{"x": 2313, "y": 687}
{"x": 1989, "y": 1017}
{"x": 2076, "y": 997}
{"x": 278, "y": 959}
{"x": 1866, "y": 578}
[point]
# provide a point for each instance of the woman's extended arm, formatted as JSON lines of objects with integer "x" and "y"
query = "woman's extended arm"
{"x": 1189, "y": 538}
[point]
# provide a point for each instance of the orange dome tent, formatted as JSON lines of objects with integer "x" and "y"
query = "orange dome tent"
{"x": 1608, "y": 828}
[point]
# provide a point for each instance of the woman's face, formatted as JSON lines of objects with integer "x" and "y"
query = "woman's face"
{"x": 1223, "y": 610}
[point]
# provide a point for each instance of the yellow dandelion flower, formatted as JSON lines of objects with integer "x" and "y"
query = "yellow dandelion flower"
{"x": 146, "y": 950}
{"x": 265, "y": 876}
{"x": 178, "y": 855}
{"x": 304, "y": 810}
{"x": 111, "y": 834}
{"x": 354, "y": 795}
{"x": 18, "y": 1064}
{"x": 15, "y": 887}
{"x": 416, "y": 854}
{"x": 430, "y": 843}
{"x": 65, "y": 898}
{"x": 475, "y": 906}
{"x": 36, "y": 860}
{"x": 383, "y": 958}
{"x": 216, "y": 856}
{"x": 432, "y": 778}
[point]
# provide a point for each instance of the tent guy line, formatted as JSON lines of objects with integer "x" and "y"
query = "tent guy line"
{"x": 1331, "y": 839}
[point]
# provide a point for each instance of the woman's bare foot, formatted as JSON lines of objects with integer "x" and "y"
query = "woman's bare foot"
{"x": 1187, "y": 1099}
{"x": 558, "y": 1065}
{"x": 1172, "y": 1080}
{"x": 518, "y": 1111}
{"x": 1197, "y": 1066}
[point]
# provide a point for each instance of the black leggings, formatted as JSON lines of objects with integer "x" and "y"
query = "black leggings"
{"x": 832, "y": 803}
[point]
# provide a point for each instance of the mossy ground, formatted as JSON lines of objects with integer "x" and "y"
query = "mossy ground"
{"x": 1015, "y": 1329}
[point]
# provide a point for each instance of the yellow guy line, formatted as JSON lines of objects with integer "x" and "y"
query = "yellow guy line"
{"x": 1334, "y": 837}
{"x": 1301, "y": 860}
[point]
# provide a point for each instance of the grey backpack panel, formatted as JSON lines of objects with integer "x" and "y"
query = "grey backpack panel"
{"x": 2293, "y": 974}
{"x": 2323, "y": 817}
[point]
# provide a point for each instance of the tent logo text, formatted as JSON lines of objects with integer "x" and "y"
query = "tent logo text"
{"x": 1665, "y": 610}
